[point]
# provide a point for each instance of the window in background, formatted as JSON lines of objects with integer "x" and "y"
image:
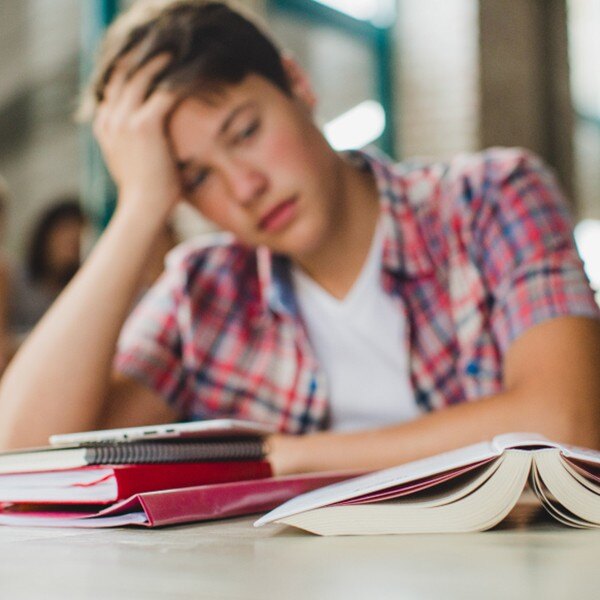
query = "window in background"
{"x": 99, "y": 192}
{"x": 378, "y": 12}
{"x": 39, "y": 153}
{"x": 587, "y": 236}
{"x": 584, "y": 51}
{"x": 439, "y": 77}
{"x": 345, "y": 45}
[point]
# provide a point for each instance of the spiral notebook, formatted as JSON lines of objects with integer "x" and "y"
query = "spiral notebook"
{"x": 214, "y": 440}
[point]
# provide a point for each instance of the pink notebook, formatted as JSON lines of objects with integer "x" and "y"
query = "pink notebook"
{"x": 176, "y": 506}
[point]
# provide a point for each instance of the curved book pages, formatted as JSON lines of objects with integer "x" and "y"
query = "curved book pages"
{"x": 470, "y": 489}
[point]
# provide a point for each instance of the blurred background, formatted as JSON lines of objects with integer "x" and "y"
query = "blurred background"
{"x": 414, "y": 77}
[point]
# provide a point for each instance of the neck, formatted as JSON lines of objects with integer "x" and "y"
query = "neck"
{"x": 339, "y": 260}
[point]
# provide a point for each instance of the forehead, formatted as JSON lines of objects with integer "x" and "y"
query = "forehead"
{"x": 197, "y": 118}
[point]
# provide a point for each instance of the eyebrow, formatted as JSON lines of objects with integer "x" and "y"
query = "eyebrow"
{"x": 182, "y": 165}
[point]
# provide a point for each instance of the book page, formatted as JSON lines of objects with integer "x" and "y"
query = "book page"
{"x": 585, "y": 476}
{"x": 66, "y": 520}
{"x": 450, "y": 490}
{"x": 585, "y": 454}
{"x": 381, "y": 480}
{"x": 522, "y": 440}
{"x": 536, "y": 440}
{"x": 417, "y": 486}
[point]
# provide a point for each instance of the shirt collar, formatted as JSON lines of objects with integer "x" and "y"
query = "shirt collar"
{"x": 275, "y": 281}
{"x": 404, "y": 249}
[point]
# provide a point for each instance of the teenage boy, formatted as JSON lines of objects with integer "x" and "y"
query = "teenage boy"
{"x": 408, "y": 309}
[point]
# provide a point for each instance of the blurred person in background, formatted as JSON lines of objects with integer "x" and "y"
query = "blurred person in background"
{"x": 52, "y": 257}
{"x": 386, "y": 312}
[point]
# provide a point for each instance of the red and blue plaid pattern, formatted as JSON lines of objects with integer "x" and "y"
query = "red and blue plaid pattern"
{"x": 476, "y": 250}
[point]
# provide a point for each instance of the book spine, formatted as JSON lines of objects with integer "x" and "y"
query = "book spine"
{"x": 165, "y": 452}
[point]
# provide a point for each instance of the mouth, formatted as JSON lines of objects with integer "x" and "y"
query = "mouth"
{"x": 279, "y": 216}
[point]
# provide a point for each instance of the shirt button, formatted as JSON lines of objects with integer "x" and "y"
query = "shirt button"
{"x": 473, "y": 368}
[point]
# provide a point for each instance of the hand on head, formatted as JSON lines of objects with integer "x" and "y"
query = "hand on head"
{"x": 130, "y": 128}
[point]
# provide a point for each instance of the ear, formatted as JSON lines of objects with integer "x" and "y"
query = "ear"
{"x": 299, "y": 82}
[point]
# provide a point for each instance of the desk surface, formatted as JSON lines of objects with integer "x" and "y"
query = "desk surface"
{"x": 231, "y": 559}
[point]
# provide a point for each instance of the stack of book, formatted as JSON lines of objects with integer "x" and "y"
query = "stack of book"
{"x": 146, "y": 476}
{"x": 173, "y": 474}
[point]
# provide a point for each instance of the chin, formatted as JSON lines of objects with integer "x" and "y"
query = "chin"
{"x": 302, "y": 242}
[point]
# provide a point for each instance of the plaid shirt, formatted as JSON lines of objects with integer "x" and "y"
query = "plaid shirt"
{"x": 476, "y": 251}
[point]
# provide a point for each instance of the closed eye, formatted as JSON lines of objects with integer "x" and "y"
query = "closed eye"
{"x": 193, "y": 183}
{"x": 248, "y": 132}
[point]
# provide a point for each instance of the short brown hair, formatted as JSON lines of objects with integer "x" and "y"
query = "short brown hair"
{"x": 211, "y": 44}
{"x": 61, "y": 210}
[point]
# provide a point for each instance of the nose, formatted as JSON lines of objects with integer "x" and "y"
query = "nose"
{"x": 245, "y": 181}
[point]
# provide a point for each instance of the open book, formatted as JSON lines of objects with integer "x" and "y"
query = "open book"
{"x": 470, "y": 489}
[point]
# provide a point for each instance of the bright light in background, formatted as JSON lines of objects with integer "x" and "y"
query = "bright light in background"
{"x": 357, "y": 127}
{"x": 379, "y": 12}
{"x": 587, "y": 237}
{"x": 584, "y": 48}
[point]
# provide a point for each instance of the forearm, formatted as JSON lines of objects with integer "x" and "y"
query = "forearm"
{"x": 58, "y": 380}
{"x": 437, "y": 432}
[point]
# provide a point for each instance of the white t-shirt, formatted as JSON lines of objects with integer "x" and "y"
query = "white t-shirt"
{"x": 360, "y": 342}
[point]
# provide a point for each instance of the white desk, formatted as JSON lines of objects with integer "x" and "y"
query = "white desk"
{"x": 231, "y": 559}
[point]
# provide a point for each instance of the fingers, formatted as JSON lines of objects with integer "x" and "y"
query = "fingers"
{"x": 148, "y": 121}
{"x": 158, "y": 105}
{"x": 130, "y": 128}
{"x": 116, "y": 82}
{"x": 135, "y": 91}
{"x": 125, "y": 94}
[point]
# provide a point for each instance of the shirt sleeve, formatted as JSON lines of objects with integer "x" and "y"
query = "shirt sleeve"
{"x": 150, "y": 346}
{"x": 523, "y": 236}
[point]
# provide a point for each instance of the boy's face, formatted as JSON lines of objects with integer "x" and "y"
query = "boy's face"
{"x": 256, "y": 165}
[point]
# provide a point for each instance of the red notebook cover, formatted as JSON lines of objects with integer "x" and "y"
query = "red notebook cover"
{"x": 171, "y": 507}
{"x": 113, "y": 483}
{"x": 135, "y": 479}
